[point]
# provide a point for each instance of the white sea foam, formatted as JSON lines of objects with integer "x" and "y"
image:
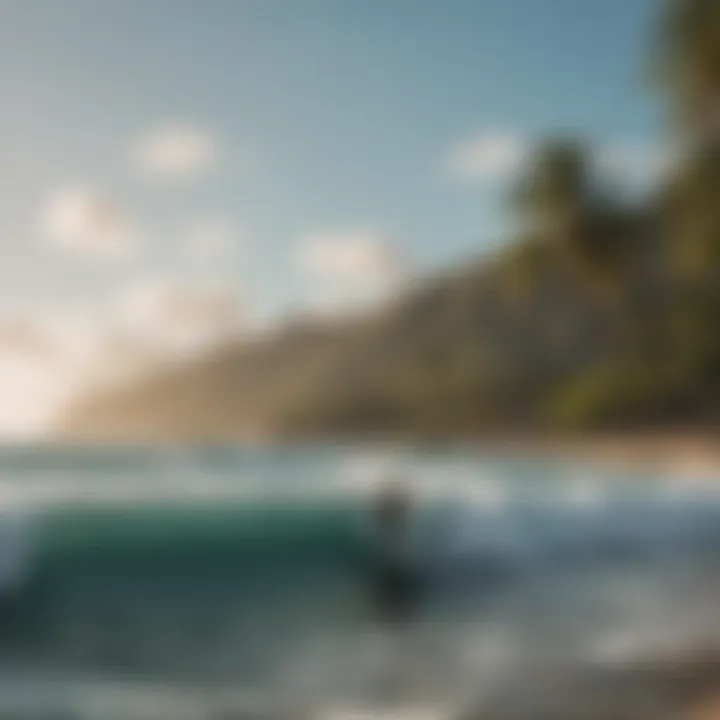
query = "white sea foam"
{"x": 583, "y": 493}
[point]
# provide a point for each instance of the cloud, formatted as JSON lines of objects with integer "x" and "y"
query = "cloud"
{"x": 84, "y": 220}
{"x": 496, "y": 156}
{"x": 17, "y": 335}
{"x": 39, "y": 373}
{"x": 487, "y": 156}
{"x": 355, "y": 256}
{"x": 176, "y": 152}
{"x": 352, "y": 269}
{"x": 182, "y": 317}
{"x": 212, "y": 239}
{"x": 30, "y": 391}
{"x": 50, "y": 357}
{"x": 634, "y": 162}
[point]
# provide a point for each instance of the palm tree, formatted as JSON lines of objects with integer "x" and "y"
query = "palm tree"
{"x": 553, "y": 195}
{"x": 563, "y": 206}
{"x": 687, "y": 59}
{"x": 687, "y": 63}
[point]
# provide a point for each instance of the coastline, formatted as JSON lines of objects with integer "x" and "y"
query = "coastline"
{"x": 691, "y": 453}
{"x": 685, "y": 452}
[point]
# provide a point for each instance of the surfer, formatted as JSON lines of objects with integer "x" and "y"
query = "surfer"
{"x": 395, "y": 582}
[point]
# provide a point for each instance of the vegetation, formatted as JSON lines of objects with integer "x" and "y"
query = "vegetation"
{"x": 686, "y": 63}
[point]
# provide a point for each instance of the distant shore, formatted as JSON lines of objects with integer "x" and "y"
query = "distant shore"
{"x": 687, "y": 452}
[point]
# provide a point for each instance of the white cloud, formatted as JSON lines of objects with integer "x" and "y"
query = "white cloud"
{"x": 50, "y": 357}
{"x": 634, "y": 162}
{"x": 41, "y": 369}
{"x": 176, "y": 152}
{"x": 352, "y": 269}
{"x": 30, "y": 391}
{"x": 499, "y": 155}
{"x": 182, "y": 317}
{"x": 487, "y": 156}
{"x": 84, "y": 220}
{"x": 19, "y": 336}
{"x": 213, "y": 239}
{"x": 355, "y": 256}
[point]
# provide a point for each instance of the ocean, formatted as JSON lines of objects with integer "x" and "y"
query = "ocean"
{"x": 235, "y": 582}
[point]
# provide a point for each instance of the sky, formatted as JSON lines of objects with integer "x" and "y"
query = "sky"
{"x": 170, "y": 168}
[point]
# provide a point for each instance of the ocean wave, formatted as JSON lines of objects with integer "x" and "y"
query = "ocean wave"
{"x": 485, "y": 522}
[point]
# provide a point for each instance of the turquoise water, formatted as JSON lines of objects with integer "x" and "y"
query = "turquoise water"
{"x": 174, "y": 583}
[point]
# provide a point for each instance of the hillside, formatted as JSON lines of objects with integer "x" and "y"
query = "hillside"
{"x": 472, "y": 350}
{"x": 240, "y": 390}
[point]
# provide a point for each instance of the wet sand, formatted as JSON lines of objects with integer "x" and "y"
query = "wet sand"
{"x": 672, "y": 689}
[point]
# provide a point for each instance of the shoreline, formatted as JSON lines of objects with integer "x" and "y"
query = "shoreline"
{"x": 688, "y": 452}
{"x": 691, "y": 453}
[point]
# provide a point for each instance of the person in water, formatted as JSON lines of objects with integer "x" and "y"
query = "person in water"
{"x": 395, "y": 582}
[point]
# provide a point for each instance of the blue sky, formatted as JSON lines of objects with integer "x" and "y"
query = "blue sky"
{"x": 170, "y": 167}
{"x": 327, "y": 115}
